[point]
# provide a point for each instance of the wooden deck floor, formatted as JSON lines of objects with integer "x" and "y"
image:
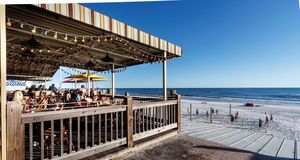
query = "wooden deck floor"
{"x": 261, "y": 143}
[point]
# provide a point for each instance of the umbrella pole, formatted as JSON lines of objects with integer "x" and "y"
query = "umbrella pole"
{"x": 113, "y": 80}
{"x": 88, "y": 85}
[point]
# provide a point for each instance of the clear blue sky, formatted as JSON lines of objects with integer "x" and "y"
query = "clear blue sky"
{"x": 227, "y": 43}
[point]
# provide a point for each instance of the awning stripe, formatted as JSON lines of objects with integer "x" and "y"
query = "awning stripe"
{"x": 91, "y": 17}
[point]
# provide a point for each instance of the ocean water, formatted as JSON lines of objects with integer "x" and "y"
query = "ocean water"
{"x": 243, "y": 95}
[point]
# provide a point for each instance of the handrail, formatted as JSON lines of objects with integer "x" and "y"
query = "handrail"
{"x": 47, "y": 116}
{"x": 154, "y": 104}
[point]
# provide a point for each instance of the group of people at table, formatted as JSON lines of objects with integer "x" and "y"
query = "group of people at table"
{"x": 36, "y": 99}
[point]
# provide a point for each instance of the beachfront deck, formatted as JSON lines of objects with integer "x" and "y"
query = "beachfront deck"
{"x": 260, "y": 143}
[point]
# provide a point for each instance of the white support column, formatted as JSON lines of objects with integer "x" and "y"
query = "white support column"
{"x": 3, "y": 81}
{"x": 113, "y": 80}
{"x": 88, "y": 83}
{"x": 60, "y": 78}
{"x": 165, "y": 76}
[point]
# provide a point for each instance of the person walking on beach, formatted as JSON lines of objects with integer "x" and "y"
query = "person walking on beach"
{"x": 267, "y": 119}
{"x": 217, "y": 111}
{"x": 207, "y": 114}
{"x": 236, "y": 115}
{"x": 271, "y": 118}
{"x": 197, "y": 111}
{"x": 231, "y": 118}
{"x": 259, "y": 123}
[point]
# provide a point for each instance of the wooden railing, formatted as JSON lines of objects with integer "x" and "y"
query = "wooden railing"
{"x": 78, "y": 133}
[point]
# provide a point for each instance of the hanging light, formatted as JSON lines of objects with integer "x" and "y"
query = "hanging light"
{"x": 34, "y": 29}
{"x": 105, "y": 39}
{"x": 40, "y": 51}
{"x": 111, "y": 39}
{"x": 75, "y": 39}
{"x": 55, "y": 35}
{"x": 83, "y": 39}
{"x": 21, "y": 25}
{"x": 22, "y": 48}
{"x": 66, "y": 37}
{"x": 46, "y": 33}
{"x": 48, "y": 51}
{"x": 8, "y": 23}
{"x": 98, "y": 40}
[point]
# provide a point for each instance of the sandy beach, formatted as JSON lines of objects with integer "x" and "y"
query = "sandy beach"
{"x": 285, "y": 116}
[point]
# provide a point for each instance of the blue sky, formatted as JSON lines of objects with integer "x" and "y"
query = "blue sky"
{"x": 227, "y": 43}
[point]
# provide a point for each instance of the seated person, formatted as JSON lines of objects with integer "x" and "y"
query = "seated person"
{"x": 18, "y": 97}
{"x": 53, "y": 88}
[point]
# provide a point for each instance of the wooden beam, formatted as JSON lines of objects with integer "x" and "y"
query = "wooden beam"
{"x": 15, "y": 131}
{"x": 3, "y": 80}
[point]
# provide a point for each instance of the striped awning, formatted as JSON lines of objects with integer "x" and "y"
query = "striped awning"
{"x": 101, "y": 21}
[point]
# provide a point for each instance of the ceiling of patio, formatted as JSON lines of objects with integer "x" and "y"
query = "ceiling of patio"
{"x": 53, "y": 52}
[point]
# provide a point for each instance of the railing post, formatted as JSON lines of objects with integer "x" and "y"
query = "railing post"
{"x": 178, "y": 97}
{"x": 15, "y": 131}
{"x": 129, "y": 122}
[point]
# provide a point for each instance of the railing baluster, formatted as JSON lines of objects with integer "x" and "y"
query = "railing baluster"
{"x": 134, "y": 126}
{"x": 42, "y": 141}
{"x": 150, "y": 118}
{"x": 61, "y": 137}
{"x": 143, "y": 115}
{"x": 52, "y": 138}
{"x": 160, "y": 117}
{"x": 99, "y": 129}
{"x": 111, "y": 126}
{"x": 78, "y": 133}
{"x": 146, "y": 119}
{"x": 93, "y": 130}
{"x": 85, "y": 132}
{"x": 174, "y": 113}
{"x": 155, "y": 117}
{"x": 166, "y": 117}
{"x": 70, "y": 135}
{"x": 122, "y": 128}
{"x": 30, "y": 141}
{"x": 169, "y": 108}
{"x": 105, "y": 128}
{"x": 117, "y": 125}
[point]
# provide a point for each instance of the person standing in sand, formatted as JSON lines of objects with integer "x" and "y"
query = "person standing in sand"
{"x": 231, "y": 118}
{"x": 259, "y": 123}
{"x": 271, "y": 118}
{"x": 267, "y": 119}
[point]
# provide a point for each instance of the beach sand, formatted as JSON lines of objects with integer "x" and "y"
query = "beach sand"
{"x": 286, "y": 118}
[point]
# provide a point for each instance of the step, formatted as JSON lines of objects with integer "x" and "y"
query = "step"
{"x": 247, "y": 141}
{"x": 225, "y": 136}
{"x": 287, "y": 149}
{"x": 200, "y": 130}
{"x": 216, "y": 134}
{"x": 259, "y": 143}
{"x": 272, "y": 148}
{"x": 236, "y": 138}
{"x": 198, "y": 135}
